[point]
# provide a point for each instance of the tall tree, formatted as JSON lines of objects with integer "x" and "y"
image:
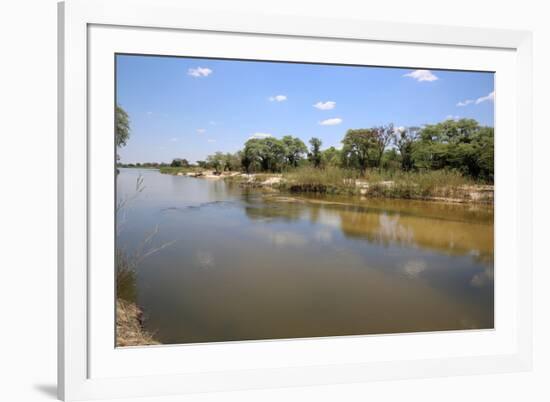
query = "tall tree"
{"x": 272, "y": 154}
{"x": 357, "y": 144}
{"x": 382, "y": 137}
{"x": 179, "y": 162}
{"x": 266, "y": 153}
{"x": 403, "y": 139}
{"x": 331, "y": 156}
{"x": 294, "y": 149}
{"x": 122, "y": 122}
{"x": 315, "y": 151}
{"x": 216, "y": 161}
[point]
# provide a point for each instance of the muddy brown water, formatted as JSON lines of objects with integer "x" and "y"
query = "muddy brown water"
{"x": 250, "y": 265}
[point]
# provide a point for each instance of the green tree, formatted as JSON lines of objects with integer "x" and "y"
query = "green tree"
{"x": 403, "y": 139}
{"x": 391, "y": 160}
{"x": 216, "y": 162}
{"x": 178, "y": 162}
{"x": 231, "y": 161}
{"x": 461, "y": 145}
{"x": 272, "y": 155}
{"x": 449, "y": 131}
{"x": 381, "y": 138}
{"x": 294, "y": 149}
{"x": 315, "y": 152}
{"x": 266, "y": 153}
{"x": 122, "y": 131}
{"x": 251, "y": 155}
{"x": 331, "y": 157}
{"x": 357, "y": 144}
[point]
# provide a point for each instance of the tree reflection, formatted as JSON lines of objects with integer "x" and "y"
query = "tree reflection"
{"x": 453, "y": 230}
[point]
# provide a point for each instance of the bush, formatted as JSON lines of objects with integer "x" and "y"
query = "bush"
{"x": 331, "y": 179}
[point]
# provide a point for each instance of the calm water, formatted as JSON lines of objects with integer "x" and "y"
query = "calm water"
{"x": 247, "y": 265}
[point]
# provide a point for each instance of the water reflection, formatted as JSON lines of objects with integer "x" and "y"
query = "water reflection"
{"x": 253, "y": 265}
{"x": 450, "y": 229}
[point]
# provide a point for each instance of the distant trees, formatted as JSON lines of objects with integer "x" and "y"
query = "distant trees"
{"x": 248, "y": 157}
{"x": 179, "y": 163}
{"x": 461, "y": 145}
{"x": 357, "y": 145}
{"x": 267, "y": 154}
{"x": 404, "y": 138}
{"x": 216, "y": 162}
{"x": 331, "y": 157}
{"x": 458, "y": 145}
{"x": 294, "y": 149}
{"x": 365, "y": 147}
{"x": 315, "y": 152}
{"x": 232, "y": 162}
{"x": 381, "y": 138}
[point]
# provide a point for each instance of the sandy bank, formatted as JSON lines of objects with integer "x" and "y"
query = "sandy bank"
{"x": 129, "y": 326}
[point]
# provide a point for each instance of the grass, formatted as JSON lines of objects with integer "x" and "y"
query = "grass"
{"x": 125, "y": 277}
{"x": 434, "y": 184}
{"x": 129, "y": 317}
{"x": 379, "y": 183}
{"x": 331, "y": 180}
{"x": 418, "y": 185}
{"x": 176, "y": 170}
{"x": 129, "y": 326}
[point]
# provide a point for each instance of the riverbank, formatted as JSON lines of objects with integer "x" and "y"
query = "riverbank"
{"x": 442, "y": 186}
{"x": 129, "y": 326}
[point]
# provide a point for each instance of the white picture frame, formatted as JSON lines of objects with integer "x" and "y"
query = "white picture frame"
{"x": 90, "y": 31}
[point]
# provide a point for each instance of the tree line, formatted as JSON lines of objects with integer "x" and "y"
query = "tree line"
{"x": 460, "y": 145}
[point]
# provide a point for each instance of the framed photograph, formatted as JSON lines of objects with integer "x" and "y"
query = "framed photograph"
{"x": 252, "y": 201}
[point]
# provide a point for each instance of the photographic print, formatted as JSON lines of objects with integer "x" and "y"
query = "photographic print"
{"x": 264, "y": 200}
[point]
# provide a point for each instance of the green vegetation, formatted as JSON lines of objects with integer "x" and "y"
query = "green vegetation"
{"x": 438, "y": 160}
{"x": 122, "y": 132}
{"x": 420, "y": 185}
{"x": 144, "y": 165}
{"x": 315, "y": 156}
{"x": 179, "y": 163}
{"x": 462, "y": 147}
{"x": 175, "y": 170}
{"x": 332, "y": 180}
{"x": 381, "y": 183}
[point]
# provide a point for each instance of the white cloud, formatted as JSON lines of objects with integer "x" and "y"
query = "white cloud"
{"x": 451, "y": 117}
{"x": 149, "y": 113}
{"x": 277, "y": 98}
{"x": 465, "y": 103}
{"x": 201, "y": 130}
{"x": 173, "y": 139}
{"x": 212, "y": 122}
{"x": 199, "y": 72}
{"x": 211, "y": 140}
{"x": 331, "y": 122}
{"x": 259, "y": 135}
{"x": 328, "y": 105}
{"x": 490, "y": 98}
{"x": 422, "y": 75}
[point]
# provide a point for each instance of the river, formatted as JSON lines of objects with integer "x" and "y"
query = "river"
{"x": 240, "y": 264}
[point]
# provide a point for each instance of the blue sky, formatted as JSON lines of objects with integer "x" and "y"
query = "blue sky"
{"x": 191, "y": 107}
